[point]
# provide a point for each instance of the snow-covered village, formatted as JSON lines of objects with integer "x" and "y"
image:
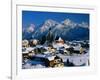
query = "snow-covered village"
{"x": 56, "y": 43}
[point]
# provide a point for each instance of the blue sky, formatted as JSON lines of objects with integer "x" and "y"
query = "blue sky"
{"x": 37, "y": 18}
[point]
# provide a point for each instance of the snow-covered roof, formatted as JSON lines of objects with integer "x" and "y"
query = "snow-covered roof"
{"x": 24, "y": 52}
{"x": 66, "y": 46}
{"x": 29, "y": 49}
{"x": 60, "y": 39}
{"x": 39, "y": 46}
{"x": 77, "y": 47}
{"x": 47, "y": 52}
{"x": 57, "y": 45}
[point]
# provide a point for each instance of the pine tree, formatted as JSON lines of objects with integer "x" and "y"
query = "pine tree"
{"x": 50, "y": 36}
{"x": 43, "y": 39}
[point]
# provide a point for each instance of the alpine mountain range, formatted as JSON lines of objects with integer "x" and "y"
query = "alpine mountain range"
{"x": 67, "y": 30}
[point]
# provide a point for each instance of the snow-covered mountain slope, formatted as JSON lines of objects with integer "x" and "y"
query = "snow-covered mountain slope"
{"x": 66, "y": 29}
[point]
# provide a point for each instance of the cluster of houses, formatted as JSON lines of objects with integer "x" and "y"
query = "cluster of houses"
{"x": 56, "y": 54}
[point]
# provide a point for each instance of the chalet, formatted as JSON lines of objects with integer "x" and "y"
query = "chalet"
{"x": 25, "y": 43}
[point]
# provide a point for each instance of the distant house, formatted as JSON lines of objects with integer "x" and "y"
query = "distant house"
{"x": 25, "y": 43}
{"x": 33, "y": 42}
